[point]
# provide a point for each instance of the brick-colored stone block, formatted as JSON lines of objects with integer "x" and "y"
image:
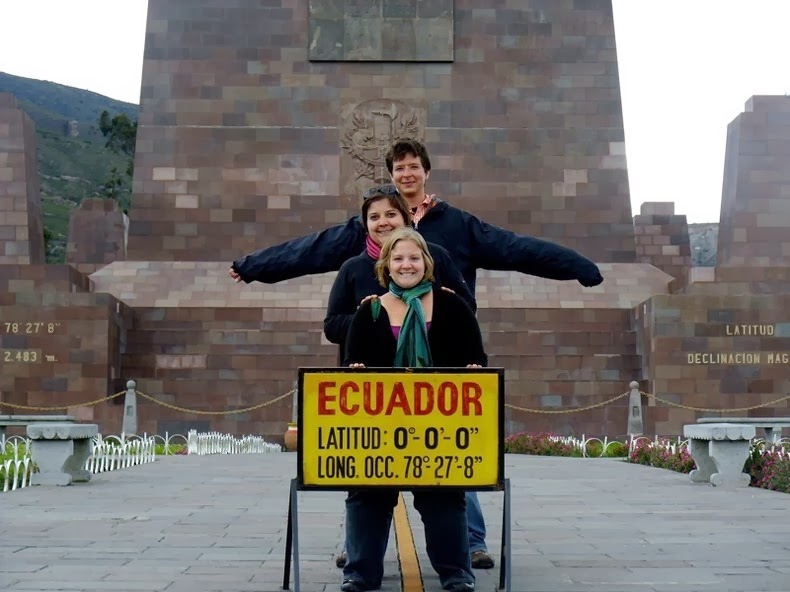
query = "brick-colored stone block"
{"x": 97, "y": 234}
{"x": 662, "y": 239}
{"x": 21, "y": 232}
{"x": 63, "y": 349}
{"x": 755, "y": 209}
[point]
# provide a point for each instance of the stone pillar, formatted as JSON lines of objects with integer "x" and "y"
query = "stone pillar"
{"x": 662, "y": 239}
{"x": 97, "y": 234}
{"x": 129, "y": 426}
{"x": 21, "y": 232}
{"x": 636, "y": 426}
{"x": 755, "y": 202}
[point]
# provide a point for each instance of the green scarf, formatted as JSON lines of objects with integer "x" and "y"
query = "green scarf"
{"x": 413, "y": 350}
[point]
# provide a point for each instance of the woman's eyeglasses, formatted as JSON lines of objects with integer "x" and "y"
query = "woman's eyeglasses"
{"x": 380, "y": 190}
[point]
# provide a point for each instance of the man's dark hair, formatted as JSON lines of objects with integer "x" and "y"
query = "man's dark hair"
{"x": 403, "y": 148}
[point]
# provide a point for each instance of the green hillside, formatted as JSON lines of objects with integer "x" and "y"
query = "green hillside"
{"x": 70, "y": 168}
{"x": 53, "y": 105}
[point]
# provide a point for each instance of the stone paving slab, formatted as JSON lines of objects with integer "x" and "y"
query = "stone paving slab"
{"x": 191, "y": 523}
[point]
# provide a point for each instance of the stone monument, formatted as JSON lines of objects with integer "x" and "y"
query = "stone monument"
{"x": 249, "y": 139}
{"x": 262, "y": 123}
{"x": 60, "y": 343}
{"x": 755, "y": 202}
{"x": 21, "y": 233}
{"x": 725, "y": 343}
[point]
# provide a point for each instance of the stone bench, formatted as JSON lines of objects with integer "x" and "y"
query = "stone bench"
{"x": 771, "y": 425}
{"x": 719, "y": 451}
{"x": 60, "y": 451}
{"x": 23, "y": 420}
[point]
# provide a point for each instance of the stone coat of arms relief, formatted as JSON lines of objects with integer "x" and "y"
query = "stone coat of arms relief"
{"x": 368, "y": 131}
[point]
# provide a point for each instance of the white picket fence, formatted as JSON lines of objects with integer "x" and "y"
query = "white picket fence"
{"x": 217, "y": 443}
{"x": 111, "y": 453}
{"x": 119, "y": 452}
{"x": 581, "y": 444}
{"x": 16, "y": 470}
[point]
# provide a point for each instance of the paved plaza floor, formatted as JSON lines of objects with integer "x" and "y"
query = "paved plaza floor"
{"x": 205, "y": 523}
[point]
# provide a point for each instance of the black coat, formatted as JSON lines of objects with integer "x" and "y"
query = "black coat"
{"x": 472, "y": 244}
{"x": 357, "y": 279}
{"x": 454, "y": 336}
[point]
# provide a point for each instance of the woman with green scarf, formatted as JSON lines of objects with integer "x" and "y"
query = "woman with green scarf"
{"x": 413, "y": 325}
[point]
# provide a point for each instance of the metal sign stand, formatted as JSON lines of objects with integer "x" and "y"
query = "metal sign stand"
{"x": 506, "y": 553}
{"x": 292, "y": 540}
{"x": 292, "y": 526}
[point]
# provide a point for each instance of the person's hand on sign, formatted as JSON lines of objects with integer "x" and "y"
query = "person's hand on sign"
{"x": 356, "y": 365}
{"x": 473, "y": 366}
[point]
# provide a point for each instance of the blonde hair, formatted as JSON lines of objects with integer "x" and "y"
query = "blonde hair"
{"x": 383, "y": 264}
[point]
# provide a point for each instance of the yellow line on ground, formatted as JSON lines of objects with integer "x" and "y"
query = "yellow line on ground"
{"x": 411, "y": 578}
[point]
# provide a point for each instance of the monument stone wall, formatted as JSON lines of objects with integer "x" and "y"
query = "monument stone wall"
{"x": 259, "y": 123}
{"x": 662, "y": 240}
{"x": 755, "y": 205}
{"x": 60, "y": 345}
{"x": 97, "y": 234}
{"x": 725, "y": 344}
{"x": 263, "y": 123}
{"x": 21, "y": 232}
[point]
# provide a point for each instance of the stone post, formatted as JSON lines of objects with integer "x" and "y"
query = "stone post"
{"x": 130, "y": 409}
{"x": 295, "y": 403}
{"x": 636, "y": 425}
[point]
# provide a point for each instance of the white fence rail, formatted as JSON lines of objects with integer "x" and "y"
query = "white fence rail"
{"x": 16, "y": 470}
{"x": 111, "y": 453}
{"x": 119, "y": 452}
{"x": 217, "y": 443}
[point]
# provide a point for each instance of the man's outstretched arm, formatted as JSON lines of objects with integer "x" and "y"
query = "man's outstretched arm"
{"x": 496, "y": 248}
{"x": 318, "y": 252}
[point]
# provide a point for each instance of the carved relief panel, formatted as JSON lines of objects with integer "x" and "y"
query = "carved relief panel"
{"x": 367, "y": 132}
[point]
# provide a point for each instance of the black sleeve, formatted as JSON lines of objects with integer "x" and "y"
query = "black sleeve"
{"x": 341, "y": 307}
{"x": 318, "y": 252}
{"x": 471, "y": 344}
{"x": 448, "y": 276}
{"x": 361, "y": 338}
{"x": 499, "y": 249}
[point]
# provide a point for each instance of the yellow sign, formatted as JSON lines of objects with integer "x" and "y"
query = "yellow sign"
{"x": 400, "y": 428}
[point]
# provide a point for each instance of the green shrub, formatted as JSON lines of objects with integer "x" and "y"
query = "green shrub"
{"x": 163, "y": 449}
{"x": 616, "y": 449}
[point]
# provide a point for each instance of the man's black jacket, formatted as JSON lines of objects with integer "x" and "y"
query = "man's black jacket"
{"x": 472, "y": 243}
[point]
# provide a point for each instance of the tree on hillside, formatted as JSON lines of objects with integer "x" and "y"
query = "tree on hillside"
{"x": 121, "y": 134}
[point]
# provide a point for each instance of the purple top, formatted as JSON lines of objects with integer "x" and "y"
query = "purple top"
{"x": 396, "y": 329}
